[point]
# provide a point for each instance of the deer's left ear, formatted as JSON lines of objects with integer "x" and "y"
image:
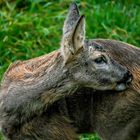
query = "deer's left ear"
{"x": 72, "y": 17}
{"x": 73, "y": 40}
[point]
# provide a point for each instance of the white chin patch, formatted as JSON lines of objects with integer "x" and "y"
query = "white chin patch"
{"x": 121, "y": 87}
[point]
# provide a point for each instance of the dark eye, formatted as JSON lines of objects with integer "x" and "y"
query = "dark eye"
{"x": 100, "y": 60}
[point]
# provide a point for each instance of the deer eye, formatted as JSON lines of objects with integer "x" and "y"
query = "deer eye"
{"x": 100, "y": 60}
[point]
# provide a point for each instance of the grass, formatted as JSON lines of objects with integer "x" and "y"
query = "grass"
{"x": 32, "y": 28}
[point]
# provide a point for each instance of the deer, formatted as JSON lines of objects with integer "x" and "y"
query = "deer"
{"x": 30, "y": 88}
{"x": 113, "y": 115}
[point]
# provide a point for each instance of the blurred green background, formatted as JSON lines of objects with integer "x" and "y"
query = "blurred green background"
{"x": 31, "y": 28}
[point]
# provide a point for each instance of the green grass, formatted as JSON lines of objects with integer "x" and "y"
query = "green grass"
{"x": 31, "y": 28}
{"x": 89, "y": 137}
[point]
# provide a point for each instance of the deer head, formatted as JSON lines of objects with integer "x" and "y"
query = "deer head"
{"x": 89, "y": 66}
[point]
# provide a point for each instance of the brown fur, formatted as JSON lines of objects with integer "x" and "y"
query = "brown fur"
{"x": 29, "y": 106}
{"x": 58, "y": 128}
{"x": 113, "y": 115}
{"x": 30, "y": 68}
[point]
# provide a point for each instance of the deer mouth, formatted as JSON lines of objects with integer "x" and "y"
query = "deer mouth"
{"x": 124, "y": 83}
{"x": 121, "y": 86}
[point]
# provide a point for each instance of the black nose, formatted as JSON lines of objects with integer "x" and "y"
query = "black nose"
{"x": 127, "y": 77}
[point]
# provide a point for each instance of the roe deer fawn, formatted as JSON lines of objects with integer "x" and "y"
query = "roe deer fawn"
{"x": 30, "y": 87}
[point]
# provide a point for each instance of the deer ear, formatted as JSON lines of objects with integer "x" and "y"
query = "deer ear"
{"x": 79, "y": 34}
{"x": 73, "y": 40}
{"x": 72, "y": 17}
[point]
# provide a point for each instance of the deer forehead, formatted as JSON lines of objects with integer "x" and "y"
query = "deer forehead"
{"x": 95, "y": 54}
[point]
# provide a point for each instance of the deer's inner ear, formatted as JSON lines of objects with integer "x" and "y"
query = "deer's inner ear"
{"x": 79, "y": 34}
{"x": 73, "y": 40}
